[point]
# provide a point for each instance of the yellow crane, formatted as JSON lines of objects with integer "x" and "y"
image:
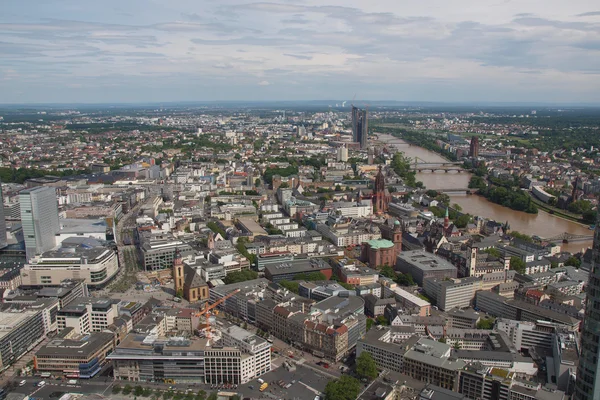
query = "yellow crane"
{"x": 206, "y": 311}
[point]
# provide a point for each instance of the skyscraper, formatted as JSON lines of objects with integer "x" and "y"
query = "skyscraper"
{"x": 587, "y": 386}
{"x": 474, "y": 149}
{"x": 360, "y": 125}
{"x": 39, "y": 217}
{"x": 3, "y": 242}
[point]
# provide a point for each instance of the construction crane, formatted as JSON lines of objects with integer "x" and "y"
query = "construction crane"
{"x": 206, "y": 311}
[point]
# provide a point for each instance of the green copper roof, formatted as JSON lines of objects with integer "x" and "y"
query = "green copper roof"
{"x": 380, "y": 244}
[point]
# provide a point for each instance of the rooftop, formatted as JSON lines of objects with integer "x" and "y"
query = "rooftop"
{"x": 380, "y": 244}
{"x": 424, "y": 260}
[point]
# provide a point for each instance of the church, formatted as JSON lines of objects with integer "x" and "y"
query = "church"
{"x": 381, "y": 196}
{"x": 187, "y": 281}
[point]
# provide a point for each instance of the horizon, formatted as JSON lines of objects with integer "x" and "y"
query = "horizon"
{"x": 466, "y": 51}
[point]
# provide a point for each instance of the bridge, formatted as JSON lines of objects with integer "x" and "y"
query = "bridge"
{"x": 566, "y": 237}
{"x": 421, "y": 165}
{"x": 456, "y": 191}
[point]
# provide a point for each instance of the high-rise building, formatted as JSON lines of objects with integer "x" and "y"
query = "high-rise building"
{"x": 474, "y": 148}
{"x": 360, "y": 125}
{"x": 39, "y": 218}
{"x": 342, "y": 154}
{"x": 587, "y": 386}
{"x": 3, "y": 242}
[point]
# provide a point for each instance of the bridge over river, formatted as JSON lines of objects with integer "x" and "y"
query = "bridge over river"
{"x": 566, "y": 237}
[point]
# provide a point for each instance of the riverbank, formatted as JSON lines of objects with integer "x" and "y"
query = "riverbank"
{"x": 557, "y": 212}
{"x": 542, "y": 224}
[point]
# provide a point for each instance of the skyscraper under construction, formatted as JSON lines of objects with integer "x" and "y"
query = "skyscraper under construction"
{"x": 359, "y": 126}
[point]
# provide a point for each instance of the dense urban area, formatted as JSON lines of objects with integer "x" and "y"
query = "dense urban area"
{"x": 326, "y": 251}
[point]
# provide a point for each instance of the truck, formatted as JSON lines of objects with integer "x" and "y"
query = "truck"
{"x": 264, "y": 387}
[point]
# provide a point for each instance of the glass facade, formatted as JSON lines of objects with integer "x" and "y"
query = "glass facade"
{"x": 587, "y": 386}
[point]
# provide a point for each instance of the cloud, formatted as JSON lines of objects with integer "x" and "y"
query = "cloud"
{"x": 299, "y": 56}
{"x": 589, "y": 14}
{"x": 307, "y": 49}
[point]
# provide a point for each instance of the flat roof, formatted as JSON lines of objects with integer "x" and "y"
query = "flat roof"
{"x": 83, "y": 345}
{"x": 425, "y": 261}
{"x": 296, "y": 266}
{"x": 252, "y": 226}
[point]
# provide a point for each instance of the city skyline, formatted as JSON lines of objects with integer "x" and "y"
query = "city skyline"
{"x": 468, "y": 52}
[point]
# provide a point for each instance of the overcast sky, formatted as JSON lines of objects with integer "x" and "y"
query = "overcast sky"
{"x": 185, "y": 50}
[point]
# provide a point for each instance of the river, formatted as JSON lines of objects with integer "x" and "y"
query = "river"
{"x": 541, "y": 224}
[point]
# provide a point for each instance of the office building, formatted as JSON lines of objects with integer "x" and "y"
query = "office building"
{"x": 421, "y": 264}
{"x": 155, "y": 357}
{"x": 21, "y": 328}
{"x": 75, "y": 356}
{"x": 78, "y": 258}
{"x": 359, "y": 127}
{"x": 39, "y": 218}
{"x": 342, "y": 154}
{"x": 88, "y": 314}
{"x": 3, "y": 242}
{"x": 260, "y": 350}
{"x": 587, "y": 386}
{"x": 430, "y": 361}
{"x": 290, "y": 269}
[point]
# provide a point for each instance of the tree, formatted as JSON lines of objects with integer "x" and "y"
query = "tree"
{"x": 284, "y": 185}
{"x": 257, "y": 182}
{"x": 516, "y": 264}
{"x": 370, "y": 323}
{"x": 240, "y": 276}
{"x": 486, "y": 323}
{"x": 431, "y": 193}
{"x": 462, "y": 221}
{"x": 494, "y": 252}
{"x": 381, "y": 320}
{"x": 116, "y": 389}
{"x": 365, "y": 366}
{"x": 442, "y": 340}
{"x": 179, "y": 293}
{"x": 201, "y": 395}
{"x": 127, "y": 389}
{"x": 573, "y": 262}
{"x": 292, "y": 286}
{"x": 138, "y": 390}
{"x": 213, "y": 396}
{"x": 405, "y": 280}
{"x": 457, "y": 207}
{"x": 344, "y": 388}
{"x": 387, "y": 271}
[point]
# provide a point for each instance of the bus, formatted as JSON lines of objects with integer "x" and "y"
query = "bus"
{"x": 264, "y": 387}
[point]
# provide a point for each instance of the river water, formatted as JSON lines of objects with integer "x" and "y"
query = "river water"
{"x": 541, "y": 224}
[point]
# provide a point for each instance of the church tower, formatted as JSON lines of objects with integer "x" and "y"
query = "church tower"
{"x": 380, "y": 198}
{"x": 397, "y": 237}
{"x": 178, "y": 274}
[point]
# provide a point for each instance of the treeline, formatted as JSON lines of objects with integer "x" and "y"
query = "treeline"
{"x": 20, "y": 175}
{"x": 512, "y": 198}
{"x": 287, "y": 171}
{"x": 401, "y": 166}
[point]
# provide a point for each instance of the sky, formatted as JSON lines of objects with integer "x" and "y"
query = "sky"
{"x": 84, "y": 51}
